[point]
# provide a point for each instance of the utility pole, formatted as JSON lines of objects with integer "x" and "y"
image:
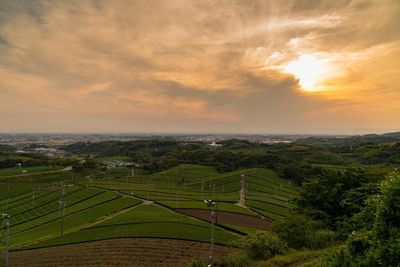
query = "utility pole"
{"x": 177, "y": 198}
{"x": 148, "y": 188}
{"x": 211, "y": 204}
{"x": 33, "y": 198}
{"x": 8, "y": 194}
{"x": 6, "y": 224}
{"x": 222, "y": 193}
{"x": 133, "y": 181}
{"x": 62, "y": 208}
{"x": 242, "y": 200}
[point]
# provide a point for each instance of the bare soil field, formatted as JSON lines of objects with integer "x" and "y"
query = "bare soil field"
{"x": 229, "y": 218}
{"x": 119, "y": 252}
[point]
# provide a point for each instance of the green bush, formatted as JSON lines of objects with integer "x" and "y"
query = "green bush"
{"x": 359, "y": 243}
{"x": 379, "y": 246}
{"x": 299, "y": 231}
{"x": 340, "y": 258}
{"x": 386, "y": 229}
{"x": 236, "y": 260}
{"x": 322, "y": 238}
{"x": 262, "y": 245}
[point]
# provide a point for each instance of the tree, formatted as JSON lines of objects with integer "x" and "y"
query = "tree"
{"x": 379, "y": 245}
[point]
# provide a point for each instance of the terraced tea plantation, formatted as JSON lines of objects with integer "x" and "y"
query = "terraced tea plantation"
{"x": 19, "y": 180}
{"x": 166, "y": 205}
{"x": 187, "y": 186}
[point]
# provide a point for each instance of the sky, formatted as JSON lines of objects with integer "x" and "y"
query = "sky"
{"x": 200, "y": 66}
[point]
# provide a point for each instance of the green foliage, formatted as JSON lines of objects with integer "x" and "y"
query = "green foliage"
{"x": 386, "y": 229}
{"x": 262, "y": 245}
{"x": 294, "y": 161}
{"x": 299, "y": 231}
{"x": 335, "y": 196}
{"x": 340, "y": 258}
{"x": 359, "y": 243}
{"x": 366, "y": 217}
{"x": 296, "y": 230}
{"x": 379, "y": 246}
{"x": 6, "y": 150}
{"x": 322, "y": 238}
{"x": 32, "y": 160}
{"x": 238, "y": 259}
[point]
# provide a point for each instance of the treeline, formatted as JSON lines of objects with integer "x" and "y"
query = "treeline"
{"x": 32, "y": 160}
{"x": 153, "y": 156}
{"x": 293, "y": 161}
{"x": 6, "y": 150}
{"x": 357, "y": 140}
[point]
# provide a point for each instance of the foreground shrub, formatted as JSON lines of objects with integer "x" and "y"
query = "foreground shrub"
{"x": 322, "y": 239}
{"x": 236, "y": 260}
{"x": 262, "y": 245}
{"x": 359, "y": 243}
{"x": 379, "y": 246}
{"x": 299, "y": 231}
{"x": 340, "y": 258}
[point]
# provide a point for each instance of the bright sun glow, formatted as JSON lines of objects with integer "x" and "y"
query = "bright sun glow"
{"x": 309, "y": 70}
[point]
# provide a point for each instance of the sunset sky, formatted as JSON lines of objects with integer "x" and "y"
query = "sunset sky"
{"x": 183, "y": 66}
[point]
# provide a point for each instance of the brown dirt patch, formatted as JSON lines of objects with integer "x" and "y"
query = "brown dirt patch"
{"x": 224, "y": 217}
{"x": 119, "y": 252}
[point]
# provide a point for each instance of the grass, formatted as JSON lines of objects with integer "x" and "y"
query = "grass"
{"x": 305, "y": 258}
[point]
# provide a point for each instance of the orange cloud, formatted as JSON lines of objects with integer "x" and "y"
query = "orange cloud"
{"x": 198, "y": 65}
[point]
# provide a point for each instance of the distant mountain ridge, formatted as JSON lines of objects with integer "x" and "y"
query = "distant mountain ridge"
{"x": 352, "y": 140}
{"x": 394, "y": 135}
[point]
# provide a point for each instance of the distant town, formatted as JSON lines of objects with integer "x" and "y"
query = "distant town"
{"x": 46, "y": 142}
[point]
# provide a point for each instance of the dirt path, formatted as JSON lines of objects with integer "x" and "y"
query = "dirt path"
{"x": 110, "y": 216}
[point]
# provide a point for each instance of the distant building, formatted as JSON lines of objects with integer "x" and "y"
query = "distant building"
{"x": 119, "y": 164}
{"x": 215, "y": 144}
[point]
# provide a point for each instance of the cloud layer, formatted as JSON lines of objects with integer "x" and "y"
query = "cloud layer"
{"x": 189, "y": 66}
